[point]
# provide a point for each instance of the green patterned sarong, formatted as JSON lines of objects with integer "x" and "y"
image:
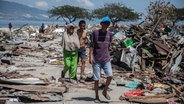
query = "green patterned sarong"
{"x": 70, "y": 61}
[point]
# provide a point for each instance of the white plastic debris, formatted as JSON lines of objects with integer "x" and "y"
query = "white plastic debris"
{"x": 11, "y": 69}
{"x": 120, "y": 35}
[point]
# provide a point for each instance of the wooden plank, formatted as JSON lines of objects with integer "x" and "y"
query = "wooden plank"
{"x": 143, "y": 61}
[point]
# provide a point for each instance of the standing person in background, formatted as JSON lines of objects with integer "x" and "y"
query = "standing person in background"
{"x": 10, "y": 26}
{"x": 99, "y": 56}
{"x": 42, "y": 28}
{"x": 70, "y": 43}
{"x": 116, "y": 29}
{"x": 82, "y": 34}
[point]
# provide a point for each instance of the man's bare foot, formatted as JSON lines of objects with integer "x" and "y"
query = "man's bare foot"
{"x": 97, "y": 100}
{"x": 106, "y": 95}
{"x": 72, "y": 81}
{"x": 82, "y": 79}
{"x": 61, "y": 80}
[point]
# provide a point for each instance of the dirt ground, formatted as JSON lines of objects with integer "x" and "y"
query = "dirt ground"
{"x": 78, "y": 93}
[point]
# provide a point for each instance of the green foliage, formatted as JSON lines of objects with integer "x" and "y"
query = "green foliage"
{"x": 69, "y": 13}
{"x": 116, "y": 12}
{"x": 160, "y": 10}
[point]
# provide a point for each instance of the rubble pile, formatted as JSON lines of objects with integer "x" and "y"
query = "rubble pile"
{"x": 146, "y": 58}
{"x": 25, "y": 49}
{"x": 154, "y": 54}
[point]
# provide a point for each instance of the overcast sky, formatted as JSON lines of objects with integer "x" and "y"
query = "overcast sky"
{"x": 137, "y": 5}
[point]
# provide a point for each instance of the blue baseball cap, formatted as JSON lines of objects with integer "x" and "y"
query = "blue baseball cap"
{"x": 106, "y": 19}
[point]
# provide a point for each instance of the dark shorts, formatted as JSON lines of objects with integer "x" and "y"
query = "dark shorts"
{"x": 82, "y": 53}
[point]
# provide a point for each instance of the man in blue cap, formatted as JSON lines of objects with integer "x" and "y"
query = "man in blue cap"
{"x": 99, "y": 56}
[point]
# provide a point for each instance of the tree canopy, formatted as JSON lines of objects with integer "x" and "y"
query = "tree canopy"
{"x": 69, "y": 13}
{"x": 160, "y": 11}
{"x": 116, "y": 12}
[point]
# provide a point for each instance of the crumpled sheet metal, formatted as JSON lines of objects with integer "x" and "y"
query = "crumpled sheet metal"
{"x": 28, "y": 81}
